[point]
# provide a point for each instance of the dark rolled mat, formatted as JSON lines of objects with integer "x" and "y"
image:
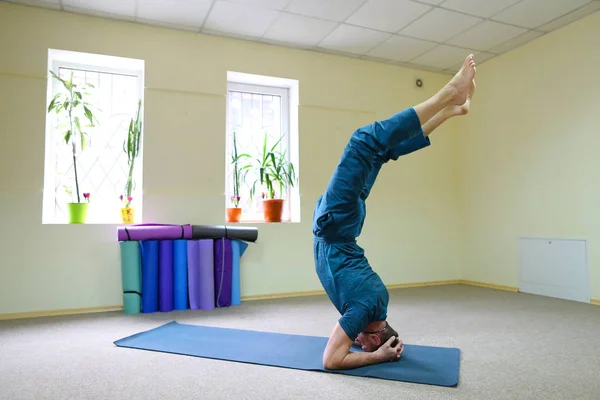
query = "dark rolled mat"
{"x": 245, "y": 233}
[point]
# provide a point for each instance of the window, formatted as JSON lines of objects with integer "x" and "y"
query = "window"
{"x": 102, "y": 166}
{"x": 259, "y": 106}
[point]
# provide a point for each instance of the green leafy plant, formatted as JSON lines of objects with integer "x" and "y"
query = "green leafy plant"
{"x": 239, "y": 173}
{"x": 273, "y": 170}
{"x": 71, "y": 104}
{"x": 131, "y": 147}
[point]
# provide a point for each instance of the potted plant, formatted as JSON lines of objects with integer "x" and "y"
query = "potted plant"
{"x": 131, "y": 147}
{"x": 274, "y": 171}
{"x": 239, "y": 174}
{"x": 72, "y": 105}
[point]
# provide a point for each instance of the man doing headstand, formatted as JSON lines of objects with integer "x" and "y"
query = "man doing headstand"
{"x": 354, "y": 288}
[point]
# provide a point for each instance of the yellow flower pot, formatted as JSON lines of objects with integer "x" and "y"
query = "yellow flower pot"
{"x": 127, "y": 215}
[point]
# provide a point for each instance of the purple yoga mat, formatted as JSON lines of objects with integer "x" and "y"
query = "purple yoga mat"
{"x": 153, "y": 232}
{"x": 166, "y": 297}
{"x": 201, "y": 274}
{"x": 223, "y": 269}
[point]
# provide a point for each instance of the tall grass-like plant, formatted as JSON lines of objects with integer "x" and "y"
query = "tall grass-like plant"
{"x": 131, "y": 147}
{"x": 239, "y": 173}
{"x": 274, "y": 170}
{"x": 72, "y": 104}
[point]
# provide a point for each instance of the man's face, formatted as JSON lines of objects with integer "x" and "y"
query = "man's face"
{"x": 368, "y": 342}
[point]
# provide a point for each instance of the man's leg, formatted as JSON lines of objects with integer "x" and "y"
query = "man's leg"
{"x": 418, "y": 142}
{"x": 357, "y": 161}
{"x": 449, "y": 112}
{"x": 408, "y": 146}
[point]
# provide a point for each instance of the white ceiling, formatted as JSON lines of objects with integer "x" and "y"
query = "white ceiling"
{"x": 426, "y": 34}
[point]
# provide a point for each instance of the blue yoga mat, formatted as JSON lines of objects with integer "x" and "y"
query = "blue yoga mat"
{"x": 149, "y": 252}
{"x": 419, "y": 364}
{"x": 180, "y": 274}
{"x": 237, "y": 250}
{"x": 165, "y": 276}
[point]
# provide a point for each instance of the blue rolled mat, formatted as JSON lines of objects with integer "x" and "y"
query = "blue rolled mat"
{"x": 149, "y": 253}
{"x": 180, "y": 274}
{"x": 237, "y": 250}
{"x": 165, "y": 274}
{"x": 132, "y": 303}
{"x": 131, "y": 276}
{"x": 438, "y": 366}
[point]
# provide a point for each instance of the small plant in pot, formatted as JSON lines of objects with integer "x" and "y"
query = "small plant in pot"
{"x": 239, "y": 174}
{"x": 72, "y": 106}
{"x": 131, "y": 147}
{"x": 274, "y": 172}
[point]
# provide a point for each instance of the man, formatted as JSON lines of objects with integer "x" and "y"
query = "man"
{"x": 354, "y": 288}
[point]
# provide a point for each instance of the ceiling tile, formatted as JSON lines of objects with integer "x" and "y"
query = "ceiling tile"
{"x": 486, "y": 35}
{"x": 442, "y": 57}
{"x": 169, "y": 25}
{"x": 387, "y": 15}
{"x": 299, "y": 30}
{"x": 401, "y": 48}
{"x": 533, "y": 13}
{"x": 174, "y": 12}
{"x": 440, "y": 25}
{"x": 270, "y": 4}
{"x": 240, "y": 19}
{"x": 353, "y": 39}
{"x": 113, "y": 7}
{"x": 572, "y": 17}
{"x": 53, "y": 4}
{"x": 516, "y": 42}
{"x": 334, "y": 10}
{"x": 480, "y": 8}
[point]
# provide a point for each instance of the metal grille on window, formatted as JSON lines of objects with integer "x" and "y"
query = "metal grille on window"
{"x": 102, "y": 166}
{"x": 251, "y": 115}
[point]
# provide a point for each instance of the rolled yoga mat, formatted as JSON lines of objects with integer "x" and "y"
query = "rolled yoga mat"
{"x": 237, "y": 250}
{"x": 165, "y": 276}
{"x": 248, "y": 234}
{"x": 201, "y": 278}
{"x": 153, "y": 232}
{"x": 149, "y": 253}
{"x": 223, "y": 266}
{"x": 131, "y": 276}
{"x": 438, "y": 366}
{"x": 180, "y": 274}
{"x": 132, "y": 303}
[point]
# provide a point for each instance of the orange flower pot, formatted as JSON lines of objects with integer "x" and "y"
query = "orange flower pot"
{"x": 272, "y": 209}
{"x": 233, "y": 214}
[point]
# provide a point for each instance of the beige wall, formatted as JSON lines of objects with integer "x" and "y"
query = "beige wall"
{"x": 411, "y": 234}
{"x": 529, "y": 152}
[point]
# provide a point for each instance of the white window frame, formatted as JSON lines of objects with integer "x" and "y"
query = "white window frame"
{"x": 94, "y": 63}
{"x": 287, "y": 90}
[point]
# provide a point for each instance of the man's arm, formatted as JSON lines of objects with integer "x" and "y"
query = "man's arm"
{"x": 337, "y": 354}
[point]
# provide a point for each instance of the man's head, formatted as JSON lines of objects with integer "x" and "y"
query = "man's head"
{"x": 375, "y": 335}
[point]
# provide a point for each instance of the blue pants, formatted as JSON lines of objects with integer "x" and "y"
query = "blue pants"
{"x": 354, "y": 288}
{"x": 340, "y": 211}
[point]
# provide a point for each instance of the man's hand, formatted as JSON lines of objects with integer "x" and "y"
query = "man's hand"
{"x": 387, "y": 352}
{"x": 337, "y": 354}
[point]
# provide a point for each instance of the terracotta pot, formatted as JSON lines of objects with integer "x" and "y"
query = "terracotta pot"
{"x": 233, "y": 214}
{"x": 272, "y": 209}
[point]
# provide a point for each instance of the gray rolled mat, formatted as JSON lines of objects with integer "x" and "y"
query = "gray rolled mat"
{"x": 245, "y": 233}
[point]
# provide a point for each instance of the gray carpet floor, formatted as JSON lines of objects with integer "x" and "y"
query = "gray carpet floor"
{"x": 514, "y": 346}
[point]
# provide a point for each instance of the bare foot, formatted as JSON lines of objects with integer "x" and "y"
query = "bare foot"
{"x": 466, "y": 106}
{"x": 461, "y": 84}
